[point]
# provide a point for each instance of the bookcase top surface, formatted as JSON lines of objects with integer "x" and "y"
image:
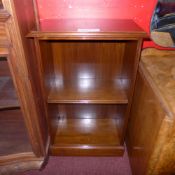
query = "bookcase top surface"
{"x": 89, "y": 27}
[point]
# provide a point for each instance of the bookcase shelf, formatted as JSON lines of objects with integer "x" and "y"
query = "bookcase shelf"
{"x": 93, "y": 91}
{"x": 88, "y": 79}
{"x": 81, "y": 136}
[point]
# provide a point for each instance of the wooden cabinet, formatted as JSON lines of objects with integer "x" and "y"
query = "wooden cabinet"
{"x": 74, "y": 82}
{"x": 23, "y": 130}
{"x": 66, "y": 88}
{"x": 150, "y": 139}
{"x": 88, "y": 70}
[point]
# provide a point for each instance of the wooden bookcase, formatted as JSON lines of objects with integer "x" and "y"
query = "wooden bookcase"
{"x": 88, "y": 69}
{"x": 66, "y": 88}
{"x": 23, "y": 131}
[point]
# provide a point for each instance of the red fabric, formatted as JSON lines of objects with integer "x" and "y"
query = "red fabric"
{"x": 138, "y": 10}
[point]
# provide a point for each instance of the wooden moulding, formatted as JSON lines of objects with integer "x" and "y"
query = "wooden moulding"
{"x": 81, "y": 150}
{"x": 107, "y": 30}
{"x": 21, "y": 166}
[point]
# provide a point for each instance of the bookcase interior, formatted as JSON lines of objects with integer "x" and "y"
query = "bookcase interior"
{"x": 87, "y": 87}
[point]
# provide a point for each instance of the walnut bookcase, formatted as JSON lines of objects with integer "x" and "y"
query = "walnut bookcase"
{"x": 88, "y": 70}
{"x": 23, "y": 131}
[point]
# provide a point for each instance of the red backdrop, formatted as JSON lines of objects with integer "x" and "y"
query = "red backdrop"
{"x": 138, "y": 10}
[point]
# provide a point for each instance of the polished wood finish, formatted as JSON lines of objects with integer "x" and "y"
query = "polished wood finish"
{"x": 85, "y": 137}
{"x": 24, "y": 140}
{"x": 86, "y": 90}
{"x": 4, "y": 52}
{"x": 105, "y": 29}
{"x": 86, "y": 130}
{"x": 150, "y": 137}
{"x": 16, "y": 168}
{"x": 20, "y": 61}
{"x": 88, "y": 68}
{"x": 81, "y": 73}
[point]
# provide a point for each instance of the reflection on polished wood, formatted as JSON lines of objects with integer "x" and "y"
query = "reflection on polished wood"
{"x": 84, "y": 90}
{"x": 13, "y": 134}
{"x": 79, "y": 136}
{"x": 91, "y": 112}
{"x": 88, "y": 68}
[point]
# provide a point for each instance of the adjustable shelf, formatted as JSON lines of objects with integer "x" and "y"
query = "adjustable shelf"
{"x": 88, "y": 70}
{"x": 93, "y": 91}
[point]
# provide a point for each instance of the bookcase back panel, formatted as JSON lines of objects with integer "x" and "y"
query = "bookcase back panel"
{"x": 76, "y": 60}
{"x": 97, "y": 63}
{"x": 84, "y": 118}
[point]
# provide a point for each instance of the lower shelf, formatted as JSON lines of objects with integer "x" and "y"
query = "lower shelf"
{"x": 86, "y": 137}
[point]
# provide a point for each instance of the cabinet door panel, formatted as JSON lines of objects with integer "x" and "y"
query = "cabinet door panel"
{"x": 25, "y": 123}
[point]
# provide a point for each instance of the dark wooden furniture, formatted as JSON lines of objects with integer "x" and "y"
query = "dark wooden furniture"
{"x": 88, "y": 70}
{"x": 151, "y": 131}
{"x": 72, "y": 88}
{"x": 67, "y": 86}
{"x": 24, "y": 136}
